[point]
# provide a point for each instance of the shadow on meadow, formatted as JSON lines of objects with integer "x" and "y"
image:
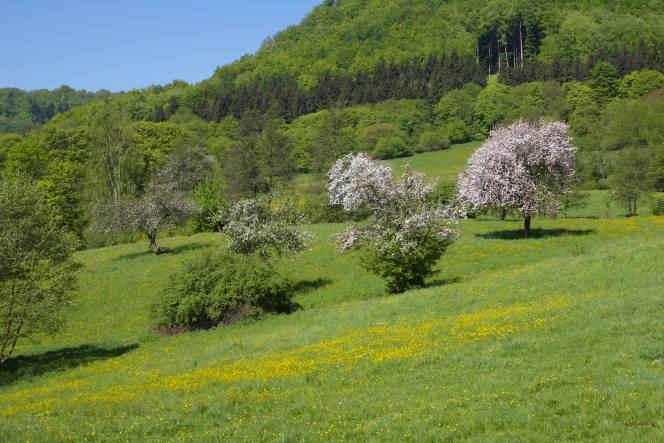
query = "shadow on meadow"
{"x": 442, "y": 282}
{"x": 305, "y": 286}
{"x": 23, "y": 367}
{"x": 518, "y": 234}
{"x": 169, "y": 251}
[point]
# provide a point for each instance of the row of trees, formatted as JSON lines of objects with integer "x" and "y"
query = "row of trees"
{"x": 97, "y": 155}
{"x": 416, "y": 78}
{"x": 524, "y": 168}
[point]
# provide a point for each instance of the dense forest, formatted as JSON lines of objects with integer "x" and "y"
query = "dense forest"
{"x": 387, "y": 77}
{"x": 21, "y": 111}
{"x": 364, "y": 51}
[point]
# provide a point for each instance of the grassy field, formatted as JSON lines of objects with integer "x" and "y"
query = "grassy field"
{"x": 444, "y": 165}
{"x": 554, "y": 338}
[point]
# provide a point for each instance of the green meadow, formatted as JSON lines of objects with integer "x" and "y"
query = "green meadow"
{"x": 558, "y": 337}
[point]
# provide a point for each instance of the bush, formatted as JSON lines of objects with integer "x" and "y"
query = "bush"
{"x": 403, "y": 269}
{"x": 433, "y": 141}
{"x": 455, "y": 131}
{"x": 444, "y": 192}
{"x": 221, "y": 289}
{"x": 208, "y": 197}
{"x": 391, "y": 147}
{"x": 370, "y": 136}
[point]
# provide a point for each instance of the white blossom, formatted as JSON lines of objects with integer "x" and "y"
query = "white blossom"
{"x": 404, "y": 222}
{"x": 523, "y": 167}
{"x": 253, "y": 226}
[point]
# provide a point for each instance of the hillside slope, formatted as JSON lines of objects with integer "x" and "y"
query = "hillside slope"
{"x": 573, "y": 354}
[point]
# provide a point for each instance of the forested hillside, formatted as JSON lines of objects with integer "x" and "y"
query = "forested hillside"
{"x": 21, "y": 110}
{"x": 360, "y": 51}
{"x": 391, "y": 78}
{"x": 357, "y": 51}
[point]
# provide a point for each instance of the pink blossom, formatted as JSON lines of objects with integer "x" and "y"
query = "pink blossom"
{"x": 523, "y": 167}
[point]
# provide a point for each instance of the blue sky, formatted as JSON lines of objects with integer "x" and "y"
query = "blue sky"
{"x": 121, "y": 45}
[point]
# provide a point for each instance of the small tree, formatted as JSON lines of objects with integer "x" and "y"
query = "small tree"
{"x": 631, "y": 180}
{"x": 163, "y": 204}
{"x": 37, "y": 273}
{"x": 253, "y": 227}
{"x": 159, "y": 207}
{"x": 407, "y": 233}
{"x": 524, "y": 168}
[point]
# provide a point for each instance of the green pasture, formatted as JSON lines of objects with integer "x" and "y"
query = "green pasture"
{"x": 558, "y": 337}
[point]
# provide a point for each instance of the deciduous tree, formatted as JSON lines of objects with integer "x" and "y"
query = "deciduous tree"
{"x": 524, "y": 168}
{"x": 408, "y": 232}
{"x": 165, "y": 202}
{"x": 37, "y": 273}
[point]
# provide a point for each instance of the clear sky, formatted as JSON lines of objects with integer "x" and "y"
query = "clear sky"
{"x": 123, "y": 44}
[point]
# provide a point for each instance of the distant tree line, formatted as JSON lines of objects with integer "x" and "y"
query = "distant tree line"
{"x": 22, "y": 110}
{"x": 421, "y": 77}
{"x": 580, "y": 69}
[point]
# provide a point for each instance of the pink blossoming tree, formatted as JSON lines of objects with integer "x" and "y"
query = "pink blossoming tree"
{"x": 524, "y": 168}
{"x": 407, "y": 233}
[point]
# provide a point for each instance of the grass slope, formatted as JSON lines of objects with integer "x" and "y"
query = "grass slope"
{"x": 554, "y": 338}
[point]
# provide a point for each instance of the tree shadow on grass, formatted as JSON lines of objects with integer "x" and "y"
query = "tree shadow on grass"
{"x": 518, "y": 234}
{"x": 23, "y": 367}
{"x": 304, "y": 286}
{"x": 170, "y": 251}
{"x": 442, "y": 282}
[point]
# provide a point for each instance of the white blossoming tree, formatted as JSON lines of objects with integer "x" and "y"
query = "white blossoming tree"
{"x": 524, "y": 168}
{"x": 253, "y": 226}
{"x": 164, "y": 203}
{"x": 407, "y": 233}
{"x": 160, "y": 207}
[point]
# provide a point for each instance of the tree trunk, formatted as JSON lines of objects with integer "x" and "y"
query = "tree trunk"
{"x": 521, "y": 42}
{"x": 152, "y": 237}
{"x": 526, "y": 225}
{"x": 498, "y": 49}
{"x": 503, "y": 214}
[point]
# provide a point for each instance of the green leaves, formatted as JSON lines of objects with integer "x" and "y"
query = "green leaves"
{"x": 37, "y": 274}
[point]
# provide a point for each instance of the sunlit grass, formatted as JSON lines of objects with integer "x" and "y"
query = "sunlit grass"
{"x": 553, "y": 338}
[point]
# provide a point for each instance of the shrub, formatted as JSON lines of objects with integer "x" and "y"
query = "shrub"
{"x": 405, "y": 268}
{"x": 433, "y": 141}
{"x": 444, "y": 192}
{"x": 254, "y": 227}
{"x": 371, "y": 135}
{"x": 242, "y": 281}
{"x": 208, "y": 197}
{"x": 221, "y": 289}
{"x": 391, "y": 147}
{"x": 455, "y": 131}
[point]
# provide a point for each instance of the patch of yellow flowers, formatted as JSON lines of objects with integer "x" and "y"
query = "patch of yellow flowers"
{"x": 374, "y": 344}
